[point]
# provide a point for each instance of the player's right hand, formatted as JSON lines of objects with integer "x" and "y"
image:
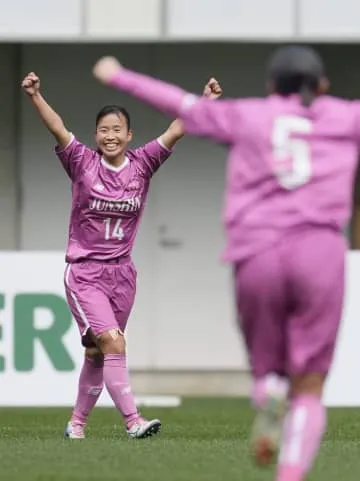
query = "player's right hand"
{"x": 31, "y": 84}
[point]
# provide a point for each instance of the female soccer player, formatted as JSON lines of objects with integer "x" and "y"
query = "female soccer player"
{"x": 292, "y": 160}
{"x": 109, "y": 189}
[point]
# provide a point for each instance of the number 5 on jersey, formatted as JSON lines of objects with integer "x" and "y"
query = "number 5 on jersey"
{"x": 113, "y": 229}
{"x": 291, "y": 155}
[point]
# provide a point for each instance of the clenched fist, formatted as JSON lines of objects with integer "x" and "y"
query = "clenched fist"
{"x": 31, "y": 84}
{"x": 212, "y": 89}
{"x": 106, "y": 68}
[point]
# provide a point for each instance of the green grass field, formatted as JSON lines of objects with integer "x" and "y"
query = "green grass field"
{"x": 204, "y": 439}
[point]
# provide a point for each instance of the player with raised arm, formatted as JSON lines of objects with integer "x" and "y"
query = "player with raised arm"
{"x": 109, "y": 190}
{"x": 291, "y": 167}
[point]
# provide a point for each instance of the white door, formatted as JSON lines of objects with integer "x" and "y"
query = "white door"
{"x": 194, "y": 324}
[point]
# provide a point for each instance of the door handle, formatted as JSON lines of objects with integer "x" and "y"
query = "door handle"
{"x": 170, "y": 243}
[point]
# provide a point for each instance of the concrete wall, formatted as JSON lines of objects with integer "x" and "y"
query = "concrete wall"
{"x": 185, "y": 20}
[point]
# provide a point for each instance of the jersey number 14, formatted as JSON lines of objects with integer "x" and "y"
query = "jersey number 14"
{"x": 113, "y": 229}
{"x": 291, "y": 153}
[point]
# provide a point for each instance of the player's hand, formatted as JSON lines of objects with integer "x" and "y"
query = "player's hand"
{"x": 212, "y": 89}
{"x": 31, "y": 84}
{"x": 106, "y": 68}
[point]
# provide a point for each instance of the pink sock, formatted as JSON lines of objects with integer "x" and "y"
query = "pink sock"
{"x": 271, "y": 384}
{"x": 303, "y": 430}
{"x": 116, "y": 378}
{"x": 90, "y": 387}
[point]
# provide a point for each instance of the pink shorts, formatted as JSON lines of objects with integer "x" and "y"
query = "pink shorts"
{"x": 100, "y": 294}
{"x": 289, "y": 301}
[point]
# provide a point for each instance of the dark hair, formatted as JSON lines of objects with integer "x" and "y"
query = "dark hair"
{"x": 114, "y": 109}
{"x": 305, "y": 85}
{"x": 296, "y": 69}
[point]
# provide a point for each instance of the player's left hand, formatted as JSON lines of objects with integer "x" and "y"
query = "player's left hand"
{"x": 212, "y": 89}
{"x": 106, "y": 68}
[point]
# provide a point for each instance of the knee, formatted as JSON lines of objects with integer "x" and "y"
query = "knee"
{"x": 95, "y": 355}
{"x": 307, "y": 384}
{"x": 112, "y": 342}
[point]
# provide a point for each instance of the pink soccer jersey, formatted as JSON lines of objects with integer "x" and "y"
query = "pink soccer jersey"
{"x": 289, "y": 166}
{"x": 107, "y": 201}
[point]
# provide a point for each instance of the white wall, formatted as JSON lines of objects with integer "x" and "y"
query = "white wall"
{"x": 240, "y": 19}
{"x": 39, "y": 341}
{"x": 40, "y": 19}
{"x": 185, "y": 20}
{"x": 121, "y": 19}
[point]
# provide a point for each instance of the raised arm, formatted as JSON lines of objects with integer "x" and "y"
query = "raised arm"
{"x": 53, "y": 122}
{"x": 176, "y": 129}
{"x": 216, "y": 120}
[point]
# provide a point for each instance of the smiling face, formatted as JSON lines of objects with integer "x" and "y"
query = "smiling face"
{"x": 113, "y": 135}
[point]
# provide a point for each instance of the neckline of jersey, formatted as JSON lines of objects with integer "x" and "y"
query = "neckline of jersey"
{"x": 113, "y": 167}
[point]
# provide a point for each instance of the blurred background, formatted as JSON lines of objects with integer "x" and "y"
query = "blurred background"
{"x": 183, "y": 337}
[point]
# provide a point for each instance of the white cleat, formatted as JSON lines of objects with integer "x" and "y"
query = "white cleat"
{"x": 74, "y": 431}
{"x": 142, "y": 428}
{"x": 267, "y": 430}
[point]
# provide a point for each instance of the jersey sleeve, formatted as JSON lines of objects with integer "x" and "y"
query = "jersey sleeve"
{"x": 151, "y": 156}
{"x": 74, "y": 157}
{"x": 215, "y": 119}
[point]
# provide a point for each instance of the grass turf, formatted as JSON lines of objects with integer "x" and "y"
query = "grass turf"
{"x": 204, "y": 439}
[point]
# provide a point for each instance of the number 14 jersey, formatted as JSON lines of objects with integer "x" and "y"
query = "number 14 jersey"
{"x": 107, "y": 201}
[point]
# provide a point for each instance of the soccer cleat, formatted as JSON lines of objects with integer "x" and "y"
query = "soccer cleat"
{"x": 141, "y": 428}
{"x": 74, "y": 431}
{"x": 267, "y": 430}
